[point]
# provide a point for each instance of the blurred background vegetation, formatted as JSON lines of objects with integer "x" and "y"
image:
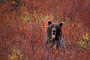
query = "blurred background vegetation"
{"x": 23, "y": 25}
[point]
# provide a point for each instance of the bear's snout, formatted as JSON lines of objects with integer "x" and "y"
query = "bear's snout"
{"x": 53, "y": 32}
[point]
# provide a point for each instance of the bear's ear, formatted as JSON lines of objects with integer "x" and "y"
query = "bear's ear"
{"x": 49, "y": 22}
{"x": 61, "y": 24}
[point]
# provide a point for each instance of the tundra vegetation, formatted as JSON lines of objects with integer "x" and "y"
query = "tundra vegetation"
{"x": 23, "y": 25}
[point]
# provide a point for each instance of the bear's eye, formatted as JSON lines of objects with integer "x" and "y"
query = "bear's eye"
{"x": 52, "y": 26}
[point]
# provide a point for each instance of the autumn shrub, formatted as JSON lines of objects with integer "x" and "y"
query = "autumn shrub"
{"x": 85, "y": 41}
{"x": 15, "y": 54}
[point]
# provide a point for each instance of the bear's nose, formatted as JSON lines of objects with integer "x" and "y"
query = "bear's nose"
{"x": 54, "y": 31}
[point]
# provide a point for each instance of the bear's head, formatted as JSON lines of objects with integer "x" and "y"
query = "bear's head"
{"x": 54, "y": 29}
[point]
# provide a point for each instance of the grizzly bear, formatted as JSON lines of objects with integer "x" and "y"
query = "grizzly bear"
{"x": 54, "y": 35}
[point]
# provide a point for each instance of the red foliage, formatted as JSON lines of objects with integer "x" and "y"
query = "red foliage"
{"x": 23, "y": 26}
